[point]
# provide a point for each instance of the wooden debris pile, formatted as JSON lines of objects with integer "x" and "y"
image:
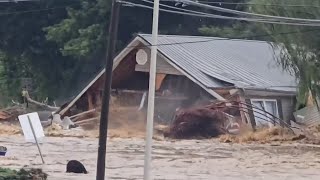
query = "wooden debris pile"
{"x": 198, "y": 123}
{"x": 215, "y": 119}
{"x": 9, "y": 114}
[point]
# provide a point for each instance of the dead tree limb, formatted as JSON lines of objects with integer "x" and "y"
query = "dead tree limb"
{"x": 41, "y": 104}
{"x": 25, "y": 94}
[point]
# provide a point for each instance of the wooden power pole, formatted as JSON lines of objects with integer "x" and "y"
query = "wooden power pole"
{"x": 104, "y": 117}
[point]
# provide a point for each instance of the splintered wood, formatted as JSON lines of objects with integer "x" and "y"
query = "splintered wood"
{"x": 11, "y": 113}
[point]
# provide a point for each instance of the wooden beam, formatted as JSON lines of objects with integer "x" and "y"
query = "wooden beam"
{"x": 86, "y": 120}
{"x": 159, "y": 79}
{"x": 244, "y": 114}
{"x": 83, "y": 113}
{"x": 251, "y": 115}
{"x": 90, "y": 103}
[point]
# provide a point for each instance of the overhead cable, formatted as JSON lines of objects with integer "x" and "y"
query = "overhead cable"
{"x": 253, "y": 4}
{"x": 236, "y": 12}
{"x": 199, "y": 14}
{"x": 263, "y": 20}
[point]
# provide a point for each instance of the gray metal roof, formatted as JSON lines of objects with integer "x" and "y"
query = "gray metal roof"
{"x": 214, "y": 61}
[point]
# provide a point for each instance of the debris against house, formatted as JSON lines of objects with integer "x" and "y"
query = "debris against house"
{"x": 214, "y": 120}
{"x": 197, "y": 123}
{"x": 308, "y": 116}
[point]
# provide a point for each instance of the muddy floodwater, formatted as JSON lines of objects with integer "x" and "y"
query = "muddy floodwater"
{"x": 172, "y": 160}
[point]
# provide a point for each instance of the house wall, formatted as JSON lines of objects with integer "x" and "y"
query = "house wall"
{"x": 285, "y": 104}
{"x": 288, "y": 105}
{"x": 162, "y": 67}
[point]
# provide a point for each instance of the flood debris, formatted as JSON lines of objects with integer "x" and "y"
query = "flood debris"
{"x": 75, "y": 166}
{"x": 264, "y": 135}
{"x": 197, "y": 123}
{"x": 11, "y": 113}
{"x": 3, "y": 150}
{"x": 219, "y": 118}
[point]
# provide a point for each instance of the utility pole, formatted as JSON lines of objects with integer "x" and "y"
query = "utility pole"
{"x": 152, "y": 83}
{"x": 104, "y": 116}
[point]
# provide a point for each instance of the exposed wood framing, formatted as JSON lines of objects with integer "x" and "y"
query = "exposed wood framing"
{"x": 251, "y": 116}
{"x": 121, "y": 56}
{"x": 245, "y": 113}
{"x": 159, "y": 79}
{"x": 90, "y": 100}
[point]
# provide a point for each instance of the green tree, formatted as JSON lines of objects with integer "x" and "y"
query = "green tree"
{"x": 24, "y": 50}
{"x": 299, "y": 51}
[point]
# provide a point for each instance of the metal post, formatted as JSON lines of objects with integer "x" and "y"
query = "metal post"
{"x": 103, "y": 131}
{"x": 152, "y": 83}
{"x": 35, "y": 138}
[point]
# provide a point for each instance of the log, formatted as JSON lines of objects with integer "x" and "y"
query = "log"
{"x": 83, "y": 113}
{"x": 86, "y": 120}
{"x": 25, "y": 94}
{"x": 41, "y": 104}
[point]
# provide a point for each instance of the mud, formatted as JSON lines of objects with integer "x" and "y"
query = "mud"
{"x": 172, "y": 160}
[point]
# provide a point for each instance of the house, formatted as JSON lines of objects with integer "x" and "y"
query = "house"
{"x": 194, "y": 70}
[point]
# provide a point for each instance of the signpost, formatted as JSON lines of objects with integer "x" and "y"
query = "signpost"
{"x": 32, "y": 129}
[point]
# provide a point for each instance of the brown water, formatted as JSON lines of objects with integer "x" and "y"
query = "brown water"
{"x": 172, "y": 160}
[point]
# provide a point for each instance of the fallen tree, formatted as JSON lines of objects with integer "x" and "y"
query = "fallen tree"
{"x": 42, "y": 105}
{"x": 197, "y": 123}
{"x": 213, "y": 120}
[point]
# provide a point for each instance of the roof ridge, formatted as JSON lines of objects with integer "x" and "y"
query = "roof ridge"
{"x": 205, "y": 37}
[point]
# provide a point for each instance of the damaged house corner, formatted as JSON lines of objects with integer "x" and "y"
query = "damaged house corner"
{"x": 194, "y": 79}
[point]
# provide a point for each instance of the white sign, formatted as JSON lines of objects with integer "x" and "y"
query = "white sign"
{"x": 36, "y": 124}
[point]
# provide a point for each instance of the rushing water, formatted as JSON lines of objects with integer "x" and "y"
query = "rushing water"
{"x": 172, "y": 160}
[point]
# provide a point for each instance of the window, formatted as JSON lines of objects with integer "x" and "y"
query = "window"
{"x": 261, "y": 117}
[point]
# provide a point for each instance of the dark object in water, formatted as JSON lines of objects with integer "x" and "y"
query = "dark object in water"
{"x": 3, "y": 151}
{"x": 75, "y": 166}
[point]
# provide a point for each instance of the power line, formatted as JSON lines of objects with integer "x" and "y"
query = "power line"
{"x": 253, "y": 4}
{"x": 223, "y": 39}
{"x": 236, "y": 12}
{"x": 234, "y": 18}
{"x": 201, "y": 14}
